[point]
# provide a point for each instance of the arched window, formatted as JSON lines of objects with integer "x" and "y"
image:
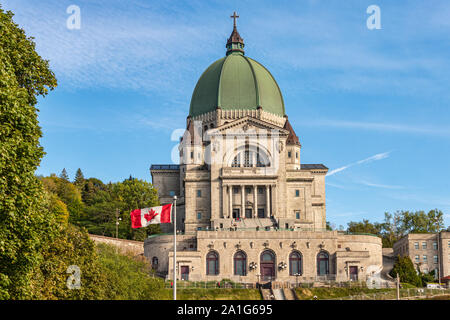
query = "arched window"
{"x": 295, "y": 263}
{"x": 155, "y": 262}
{"x": 212, "y": 263}
{"x": 240, "y": 263}
{"x": 250, "y": 157}
{"x": 323, "y": 263}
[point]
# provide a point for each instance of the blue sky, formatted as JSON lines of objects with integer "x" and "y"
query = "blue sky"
{"x": 372, "y": 105}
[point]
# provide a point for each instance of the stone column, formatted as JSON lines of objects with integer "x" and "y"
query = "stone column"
{"x": 242, "y": 201}
{"x": 255, "y": 201}
{"x": 274, "y": 200}
{"x": 267, "y": 202}
{"x": 230, "y": 201}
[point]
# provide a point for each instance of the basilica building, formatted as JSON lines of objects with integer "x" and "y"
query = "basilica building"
{"x": 248, "y": 208}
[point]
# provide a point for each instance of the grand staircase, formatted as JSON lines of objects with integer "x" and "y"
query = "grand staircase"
{"x": 254, "y": 223}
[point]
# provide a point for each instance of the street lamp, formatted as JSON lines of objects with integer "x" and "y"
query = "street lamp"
{"x": 438, "y": 254}
{"x": 296, "y": 279}
{"x": 117, "y": 223}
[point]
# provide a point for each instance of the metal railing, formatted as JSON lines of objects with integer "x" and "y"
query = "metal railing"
{"x": 182, "y": 284}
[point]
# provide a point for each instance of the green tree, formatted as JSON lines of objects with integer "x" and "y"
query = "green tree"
{"x": 72, "y": 247}
{"x": 68, "y": 193}
{"x": 364, "y": 227}
{"x": 135, "y": 194}
{"x": 79, "y": 180}
{"x": 427, "y": 278}
{"x": 91, "y": 190}
{"x": 406, "y": 271}
{"x": 329, "y": 226}
{"x": 64, "y": 175}
{"x": 26, "y": 225}
{"x": 128, "y": 278}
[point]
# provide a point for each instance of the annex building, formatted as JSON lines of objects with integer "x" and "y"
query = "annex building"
{"x": 248, "y": 208}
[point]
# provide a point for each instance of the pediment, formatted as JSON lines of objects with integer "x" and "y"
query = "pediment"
{"x": 247, "y": 125}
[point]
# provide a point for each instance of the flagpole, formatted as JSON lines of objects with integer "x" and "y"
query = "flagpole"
{"x": 174, "y": 247}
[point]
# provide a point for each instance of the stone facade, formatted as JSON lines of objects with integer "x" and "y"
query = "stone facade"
{"x": 233, "y": 211}
{"x": 428, "y": 251}
{"x": 248, "y": 209}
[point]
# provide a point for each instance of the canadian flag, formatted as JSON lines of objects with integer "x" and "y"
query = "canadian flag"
{"x": 144, "y": 217}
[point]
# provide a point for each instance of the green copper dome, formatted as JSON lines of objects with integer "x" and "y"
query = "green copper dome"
{"x": 236, "y": 82}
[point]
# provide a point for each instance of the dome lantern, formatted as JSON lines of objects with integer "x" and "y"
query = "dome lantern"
{"x": 235, "y": 42}
{"x": 236, "y": 82}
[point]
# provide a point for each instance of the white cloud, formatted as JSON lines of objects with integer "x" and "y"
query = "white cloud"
{"x": 383, "y": 186}
{"x": 376, "y": 157}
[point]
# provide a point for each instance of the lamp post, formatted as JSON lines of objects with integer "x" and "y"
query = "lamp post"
{"x": 438, "y": 253}
{"x": 117, "y": 223}
{"x": 174, "y": 247}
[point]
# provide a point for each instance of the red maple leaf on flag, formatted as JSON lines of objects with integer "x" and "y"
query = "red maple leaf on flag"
{"x": 150, "y": 215}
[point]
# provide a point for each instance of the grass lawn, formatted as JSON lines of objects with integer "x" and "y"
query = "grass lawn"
{"x": 218, "y": 294}
{"x": 336, "y": 293}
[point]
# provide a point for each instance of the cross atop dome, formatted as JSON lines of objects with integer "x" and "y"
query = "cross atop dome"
{"x": 235, "y": 43}
{"x": 234, "y": 16}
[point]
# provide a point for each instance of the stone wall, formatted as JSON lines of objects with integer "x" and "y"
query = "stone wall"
{"x": 345, "y": 251}
{"x": 125, "y": 246}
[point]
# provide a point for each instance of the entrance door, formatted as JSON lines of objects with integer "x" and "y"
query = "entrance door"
{"x": 267, "y": 266}
{"x": 248, "y": 213}
{"x": 260, "y": 212}
{"x": 236, "y": 213}
{"x": 267, "y": 272}
{"x": 354, "y": 273}
{"x": 185, "y": 273}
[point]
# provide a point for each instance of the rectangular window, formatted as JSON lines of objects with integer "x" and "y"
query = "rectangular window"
{"x": 416, "y": 245}
{"x": 449, "y": 244}
{"x": 424, "y": 245}
{"x": 296, "y": 155}
{"x": 192, "y": 155}
{"x": 435, "y": 259}
{"x": 199, "y": 215}
{"x": 199, "y": 228}
{"x": 260, "y": 190}
{"x": 235, "y": 190}
{"x": 417, "y": 258}
{"x": 199, "y": 193}
{"x": 435, "y": 245}
{"x": 297, "y": 193}
{"x": 425, "y": 259}
{"x": 297, "y": 215}
{"x": 248, "y": 190}
{"x": 289, "y": 154}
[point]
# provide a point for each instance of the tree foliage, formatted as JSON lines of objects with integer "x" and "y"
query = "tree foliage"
{"x": 404, "y": 267}
{"x": 79, "y": 179}
{"x": 95, "y": 206}
{"x": 399, "y": 224}
{"x": 25, "y": 223}
{"x": 71, "y": 247}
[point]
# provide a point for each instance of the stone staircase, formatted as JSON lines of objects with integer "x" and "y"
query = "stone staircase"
{"x": 289, "y": 294}
{"x": 278, "y": 294}
{"x": 266, "y": 294}
{"x": 254, "y": 223}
